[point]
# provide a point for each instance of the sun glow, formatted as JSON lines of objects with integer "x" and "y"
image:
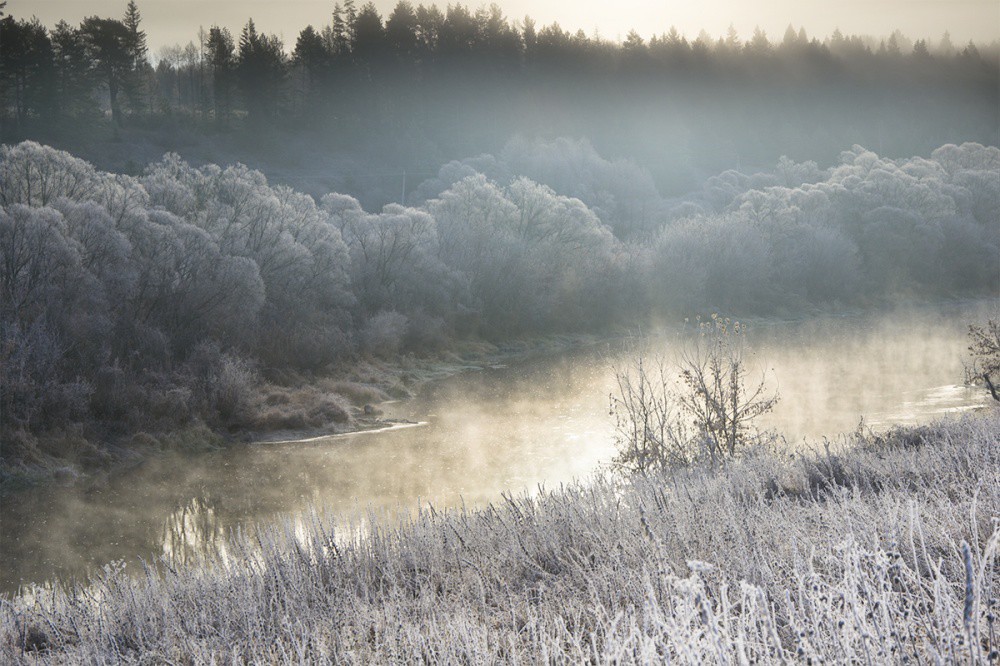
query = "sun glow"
{"x": 170, "y": 21}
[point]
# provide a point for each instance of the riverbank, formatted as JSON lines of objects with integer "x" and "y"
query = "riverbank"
{"x": 882, "y": 548}
{"x": 283, "y": 407}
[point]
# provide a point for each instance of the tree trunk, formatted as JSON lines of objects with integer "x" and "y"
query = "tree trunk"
{"x": 989, "y": 385}
{"x": 116, "y": 112}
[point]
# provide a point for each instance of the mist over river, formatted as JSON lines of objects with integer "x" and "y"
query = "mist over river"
{"x": 541, "y": 420}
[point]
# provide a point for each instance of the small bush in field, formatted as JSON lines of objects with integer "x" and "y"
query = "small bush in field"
{"x": 356, "y": 392}
{"x": 704, "y": 410}
{"x": 426, "y": 333}
{"x": 650, "y": 431}
{"x": 302, "y": 408}
{"x": 722, "y": 398}
{"x": 329, "y": 409}
{"x": 984, "y": 347}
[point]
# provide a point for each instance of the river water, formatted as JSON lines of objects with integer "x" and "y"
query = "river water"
{"x": 537, "y": 422}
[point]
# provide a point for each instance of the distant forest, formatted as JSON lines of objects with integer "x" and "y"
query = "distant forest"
{"x": 426, "y": 85}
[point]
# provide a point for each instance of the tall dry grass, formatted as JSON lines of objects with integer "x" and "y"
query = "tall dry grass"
{"x": 874, "y": 550}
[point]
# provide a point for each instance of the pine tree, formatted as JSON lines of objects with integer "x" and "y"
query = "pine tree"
{"x": 339, "y": 32}
{"x": 350, "y": 20}
{"x": 790, "y": 38}
{"x": 107, "y": 43}
{"x": 74, "y": 72}
{"x": 137, "y": 43}
{"x": 401, "y": 28}
{"x": 260, "y": 71}
{"x": 222, "y": 62}
{"x": 135, "y": 82}
{"x": 26, "y": 68}
{"x": 368, "y": 33}
{"x": 946, "y": 47}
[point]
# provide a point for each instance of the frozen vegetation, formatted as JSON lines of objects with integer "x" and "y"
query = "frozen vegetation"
{"x": 875, "y": 549}
{"x": 179, "y": 303}
{"x": 206, "y": 299}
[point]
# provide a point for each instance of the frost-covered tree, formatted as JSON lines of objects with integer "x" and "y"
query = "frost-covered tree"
{"x": 620, "y": 193}
{"x": 37, "y": 175}
{"x": 118, "y": 291}
{"x": 984, "y": 348}
{"x": 295, "y": 248}
{"x": 39, "y": 265}
{"x": 395, "y": 260}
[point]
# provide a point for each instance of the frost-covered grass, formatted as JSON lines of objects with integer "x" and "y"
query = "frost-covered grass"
{"x": 875, "y": 550}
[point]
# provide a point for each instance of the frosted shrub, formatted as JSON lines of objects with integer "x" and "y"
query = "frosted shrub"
{"x": 984, "y": 348}
{"x": 383, "y": 334}
{"x": 702, "y": 411}
{"x": 426, "y": 332}
{"x": 722, "y": 396}
{"x": 234, "y": 388}
{"x": 650, "y": 432}
{"x": 226, "y": 384}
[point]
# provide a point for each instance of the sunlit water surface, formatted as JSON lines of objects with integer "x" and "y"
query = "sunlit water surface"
{"x": 538, "y": 422}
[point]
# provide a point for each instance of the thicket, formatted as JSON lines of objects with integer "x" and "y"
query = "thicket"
{"x": 787, "y": 237}
{"x": 145, "y": 302}
{"x": 882, "y": 549}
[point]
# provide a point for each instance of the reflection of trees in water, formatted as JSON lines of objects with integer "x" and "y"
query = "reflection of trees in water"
{"x": 198, "y": 532}
{"x": 193, "y": 532}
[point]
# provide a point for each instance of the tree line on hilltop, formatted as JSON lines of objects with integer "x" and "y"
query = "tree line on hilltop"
{"x": 456, "y": 81}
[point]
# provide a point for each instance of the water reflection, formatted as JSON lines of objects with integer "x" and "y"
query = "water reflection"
{"x": 542, "y": 421}
{"x": 192, "y": 532}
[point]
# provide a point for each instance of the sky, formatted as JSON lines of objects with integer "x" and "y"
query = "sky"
{"x": 176, "y": 21}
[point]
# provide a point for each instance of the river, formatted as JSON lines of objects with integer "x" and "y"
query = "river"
{"x": 539, "y": 421}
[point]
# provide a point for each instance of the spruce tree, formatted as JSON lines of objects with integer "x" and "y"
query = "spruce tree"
{"x": 135, "y": 81}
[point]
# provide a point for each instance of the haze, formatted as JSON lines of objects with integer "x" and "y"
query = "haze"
{"x": 175, "y": 21}
{"x": 528, "y": 425}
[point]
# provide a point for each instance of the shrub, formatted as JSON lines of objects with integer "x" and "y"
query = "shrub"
{"x": 706, "y": 413}
{"x": 649, "y": 430}
{"x": 426, "y": 333}
{"x": 225, "y": 384}
{"x": 721, "y": 398}
{"x": 383, "y": 334}
{"x": 300, "y": 409}
{"x": 356, "y": 392}
{"x": 984, "y": 346}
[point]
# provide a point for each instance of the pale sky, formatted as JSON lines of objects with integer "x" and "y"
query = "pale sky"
{"x": 176, "y": 21}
